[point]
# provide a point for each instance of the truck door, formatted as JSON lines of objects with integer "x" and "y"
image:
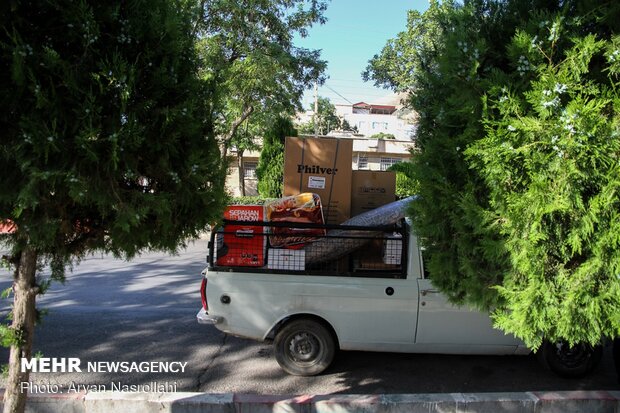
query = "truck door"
{"x": 375, "y": 314}
{"x": 457, "y": 329}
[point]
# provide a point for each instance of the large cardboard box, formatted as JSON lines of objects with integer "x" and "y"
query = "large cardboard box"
{"x": 372, "y": 189}
{"x": 242, "y": 244}
{"x": 321, "y": 166}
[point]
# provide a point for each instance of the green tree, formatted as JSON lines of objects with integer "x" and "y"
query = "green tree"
{"x": 104, "y": 144}
{"x": 270, "y": 169}
{"x": 517, "y": 172}
{"x": 245, "y": 140}
{"x": 251, "y": 63}
{"x": 326, "y": 119}
{"x": 346, "y": 126}
{"x": 550, "y": 159}
{"x": 406, "y": 184}
{"x": 465, "y": 257}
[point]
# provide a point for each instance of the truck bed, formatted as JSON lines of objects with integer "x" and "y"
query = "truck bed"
{"x": 310, "y": 249}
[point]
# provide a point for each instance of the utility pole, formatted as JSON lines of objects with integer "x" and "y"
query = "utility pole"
{"x": 316, "y": 109}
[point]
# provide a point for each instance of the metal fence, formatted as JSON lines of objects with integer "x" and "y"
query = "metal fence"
{"x": 296, "y": 248}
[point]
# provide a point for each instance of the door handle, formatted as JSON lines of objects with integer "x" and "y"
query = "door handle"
{"x": 430, "y": 291}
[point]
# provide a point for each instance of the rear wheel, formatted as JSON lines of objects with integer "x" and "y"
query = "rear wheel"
{"x": 304, "y": 347}
{"x": 573, "y": 362}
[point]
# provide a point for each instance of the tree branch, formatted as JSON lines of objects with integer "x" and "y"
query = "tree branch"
{"x": 199, "y": 18}
{"x": 233, "y": 129}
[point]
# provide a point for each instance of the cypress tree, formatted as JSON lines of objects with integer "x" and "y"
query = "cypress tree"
{"x": 104, "y": 146}
{"x": 518, "y": 162}
{"x": 270, "y": 169}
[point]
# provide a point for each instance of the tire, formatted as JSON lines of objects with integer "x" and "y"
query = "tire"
{"x": 304, "y": 347}
{"x": 571, "y": 362}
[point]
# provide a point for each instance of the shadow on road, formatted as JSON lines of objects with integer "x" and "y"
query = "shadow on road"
{"x": 151, "y": 281}
{"x": 144, "y": 310}
{"x": 390, "y": 373}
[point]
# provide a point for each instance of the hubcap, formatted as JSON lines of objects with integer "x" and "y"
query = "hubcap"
{"x": 571, "y": 356}
{"x": 304, "y": 347}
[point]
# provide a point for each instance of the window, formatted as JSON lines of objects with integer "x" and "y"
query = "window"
{"x": 380, "y": 125}
{"x": 249, "y": 170}
{"x": 362, "y": 162}
{"x": 387, "y": 162}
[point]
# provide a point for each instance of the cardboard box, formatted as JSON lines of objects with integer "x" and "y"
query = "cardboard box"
{"x": 321, "y": 166}
{"x": 286, "y": 259}
{"x": 243, "y": 245}
{"x": 371, "y": 189}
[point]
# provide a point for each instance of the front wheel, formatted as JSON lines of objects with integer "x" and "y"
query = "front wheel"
{"x": 304, "y": 347}
{"x": 572, "y": 362}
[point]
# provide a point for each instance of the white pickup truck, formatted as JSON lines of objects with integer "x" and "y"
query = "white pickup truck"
{"x": 372, "y": 299}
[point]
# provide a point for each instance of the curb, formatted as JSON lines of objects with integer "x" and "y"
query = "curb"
{"x": 185, "y": 402}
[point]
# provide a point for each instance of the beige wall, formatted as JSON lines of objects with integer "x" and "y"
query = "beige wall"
{"x": 232, "y": 179}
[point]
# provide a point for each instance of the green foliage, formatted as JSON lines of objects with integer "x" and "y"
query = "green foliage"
{"x": 382, "y": 135}
{"x": 249, "y": 200}
{"x": 271, "y": 176}
{"x": 6, "y": 293}
{"x": 551, "y": 162}
{"x": 413, "y": 51}
{"x": 10, "y": 336}
{"x": 111, "y": 118}
{"x": 326, "y": 119}
{"x": 346, "y": 126}
{"x": 251, "y": 63}
{"x": 406, "y": 184}
{"x": 104, "y": 141}
{"x": 518, "y": 165}
{"x": 270, "y": 169}
{"x": 465, "y": 255}
{"x": 305, "y": 128}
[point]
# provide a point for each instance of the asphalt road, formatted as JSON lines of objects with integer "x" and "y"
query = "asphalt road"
{"x": 144, "y": 310}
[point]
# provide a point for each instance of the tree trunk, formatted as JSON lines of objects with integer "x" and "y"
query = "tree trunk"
{"x": 241, "y": 172}
{"x": 233, "y": 129}
{"x": 24, "y": 315}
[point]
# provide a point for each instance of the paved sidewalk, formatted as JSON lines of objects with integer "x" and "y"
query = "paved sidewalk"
{"x": 528, "y": 402}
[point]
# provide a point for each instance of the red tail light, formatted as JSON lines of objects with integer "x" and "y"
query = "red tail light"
{"x": 203, "y": 294}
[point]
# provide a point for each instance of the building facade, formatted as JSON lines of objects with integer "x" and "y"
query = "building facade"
{"x": 372, "y": 119}
{"x": 368, "y": 154}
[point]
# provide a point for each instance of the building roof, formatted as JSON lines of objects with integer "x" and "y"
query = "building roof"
{"x": 375, "y": 108}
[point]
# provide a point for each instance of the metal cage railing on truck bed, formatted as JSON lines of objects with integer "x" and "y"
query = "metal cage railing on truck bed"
{"x": 310, "y": 249}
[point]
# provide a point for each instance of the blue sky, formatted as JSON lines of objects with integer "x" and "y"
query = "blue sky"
{"x": 355, "y": 31}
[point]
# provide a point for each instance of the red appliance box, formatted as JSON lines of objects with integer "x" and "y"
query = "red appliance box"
{"x": 303, "y": 208}
{"x": 244, "y": 245}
